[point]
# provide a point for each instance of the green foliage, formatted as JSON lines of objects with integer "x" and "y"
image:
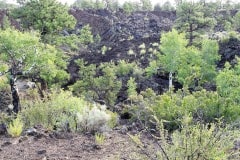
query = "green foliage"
{"x": 202, "y": 105}
{"x": 72, "y": 42}
{"x": 84, "y": 4}
{"x": 15, "y": 128}
{"x": 51, "y": 65}
{"x": 197, "y": 141}
{"x": 94, "y": 119}
{"x": 104, "y": 49}
{"x": 46, "y": 16}
{"x": 228, "y": 86}
{"x": 128, "y": 7}
{"x": 192, "y": 20}
{"x": 3, "y": 82}
{"x": 108, "y": 85}
{"x": 136, "y": 139}
{"x": 167, "y": 6}
{"x": 62, "y": 111}
{"x": 113, "y": 119}
{"x": 236, "y": 22}
{"x": 227, "y": 26}
{"x": 191, "y": 66}
{"x": 172, "y": 46}
{"x": 142, "y": 46}
{"x": 68, "y": 43}
{"x": 146, "y": 5}
{"x": 132, "y": 86}
{"x": 198, "y": 66}
{"x": 227, "y": 83}
{"x": 5, "y": 5}
{"x": 6, "y": 23}
{"x": 131, "y": 52}
{"x": 124, "y": 68}
{"x": 33, "y": 58}
{"x": 86, "y": 36}
{"x": 99, "y": 138}
{"x": 113, "y": 4}
{"x": 104, "y": 88}
{"x": 210, "y": 56}
{"x": 97, "y": 4}
{"x": 59, "y": 108}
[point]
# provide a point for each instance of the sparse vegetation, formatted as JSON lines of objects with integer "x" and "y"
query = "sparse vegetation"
{"x": 15, "y": 128}
{"x": 99, "y": 139}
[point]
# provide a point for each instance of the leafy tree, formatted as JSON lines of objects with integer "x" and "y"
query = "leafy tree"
{"x": 167, "y": 6}
{"x": 198, "y": 66}
{"x": 172, "y": 46}
{"x": 146, "y": 5}
{"x": 191, "y": 19}
{"x": 23, "y": 54}
{"x": 99, "y": 4}
{"x": 194, "y": 140}
{"x": 157, "y": 7}
{"x": 6, "y": 22}
{"x": 98, "y": 88}
{"x": 190, "y": 68}
{"x": 87, "y": 4}
{"x": 5, "y": 5}
{"x": 228, "y": 83}
{"x": 189, "y": 64}
{"x": 72, "y": 42}
{"x": 228, "y": 86}
{"x": 236, "y": 22}
{"x": 209, "y": 56}
{"x": 86, "y": 36}
{"x": 113, "y": 4}
{"x": 132, "y": 86}
{"x": 46, "y": 16}
{"x": 130, "y": 7}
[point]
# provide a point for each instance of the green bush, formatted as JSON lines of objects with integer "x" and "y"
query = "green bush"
{"x": 97, "y": 88}
{"x": 123, "y": 68}
{"x": 52, "y": 111}
{"x": 62, "y": 111}
{"x": 198, "y": 141}
{"x": 203, "y": 105}
{"x": 132, "y": 86}
{"x": 228, "y": 86}
{"x": 95, "y": 119}
{"x": 15, "y": 128}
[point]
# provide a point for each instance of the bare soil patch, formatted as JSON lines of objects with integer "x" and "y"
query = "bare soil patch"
{"x": 71, "y": 146}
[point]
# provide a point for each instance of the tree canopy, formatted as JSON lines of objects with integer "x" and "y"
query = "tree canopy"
{"x": 46, "y": 16}
{"x": 192, "y": 20}
{"x": 24, "y": 53}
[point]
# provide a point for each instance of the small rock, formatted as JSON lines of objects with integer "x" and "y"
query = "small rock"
{"x": 42, "y": 152}
{"x": 6, "y": 144}
{"x": 124, "y": 129}
{"x": 31, "y": 132}
{"x": 97, "y": 147}
{"x": 21, "y": 139}
{"x": 3, "y": 129}
{"x": 44, "y": 158}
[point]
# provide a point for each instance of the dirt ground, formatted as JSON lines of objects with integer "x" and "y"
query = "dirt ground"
{"x": 49, "y": 146}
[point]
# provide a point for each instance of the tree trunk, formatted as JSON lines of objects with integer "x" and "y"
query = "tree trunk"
{"x": 15, "y": 96}
{"x": 170, "y": 80}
